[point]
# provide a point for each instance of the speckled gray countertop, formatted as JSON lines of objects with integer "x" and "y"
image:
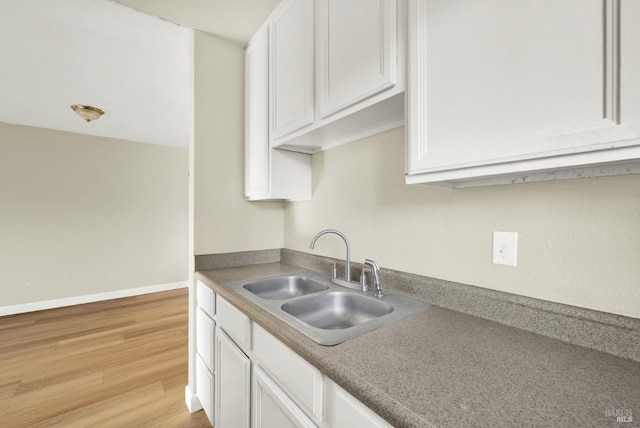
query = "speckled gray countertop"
{"x": 444, "y": 368}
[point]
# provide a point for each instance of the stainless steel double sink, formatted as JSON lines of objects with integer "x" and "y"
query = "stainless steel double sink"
{"x": 323, "y": 311}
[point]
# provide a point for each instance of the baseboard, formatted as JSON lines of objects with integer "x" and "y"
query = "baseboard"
{"x": 79, "y": 300}
{"x": 193, "y": 404}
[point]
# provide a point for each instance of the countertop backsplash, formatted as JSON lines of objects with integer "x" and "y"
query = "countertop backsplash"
{"x": 614, "y": 334}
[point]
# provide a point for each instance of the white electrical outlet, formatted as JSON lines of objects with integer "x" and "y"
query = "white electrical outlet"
{"x": 505, "y": 248}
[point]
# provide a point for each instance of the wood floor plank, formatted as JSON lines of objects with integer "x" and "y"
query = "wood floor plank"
{"x": 61, "y": 361}
{"x": 155, "y": 364}
{"x": 14, "y": 321}
{"x": 154, "y": 415}
{"x": 90, "y": 342}
{"x": 8, "y": 389}
{"x": 174, "y": 324}
{"x": 121, "y": 362}
{"x": 42, "y": 379}
{"x": 46, "y": 333}
{"x": 23, "y": 406}
{"x": 91, "y": 355}
{"x": 107, "y": 411}
{"x": 174, "y": 380}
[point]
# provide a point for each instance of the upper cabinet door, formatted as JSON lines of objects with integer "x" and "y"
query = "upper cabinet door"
{"x": 502, "y": 87}
{"x": 257, "y": 149}
{"x": 291, "y": 67}
{"x": 356, "y": 51}
{"x": 269, "y": 173}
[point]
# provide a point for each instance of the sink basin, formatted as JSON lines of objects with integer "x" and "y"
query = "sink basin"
{"x": 336, "y": 310}
{"x": 322, "y": 310}
{"x": 284, "y": 287}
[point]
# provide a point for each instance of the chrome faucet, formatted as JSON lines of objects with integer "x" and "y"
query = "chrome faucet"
{"x": 347, "y": 269}
{"x": 375, "y": 271}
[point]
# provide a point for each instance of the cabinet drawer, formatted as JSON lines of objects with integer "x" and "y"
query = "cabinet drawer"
{"x": 342, "y": 410}
{"x": 236, "y": 324}
{"x": 271, "y": 407}
{"x": 205, "y": 328}
{"x": 301, "y": 381}
{"x": 204, "y": 388}
{"x": 205, "y": 298}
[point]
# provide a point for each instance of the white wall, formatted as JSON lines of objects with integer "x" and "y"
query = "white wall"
{"x": 579, "y": 240}
{"x": 81, "y": 215}
{"x": 223, "y": 221}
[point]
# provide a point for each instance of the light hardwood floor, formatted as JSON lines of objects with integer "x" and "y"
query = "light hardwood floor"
{"x": 119, "y": 363}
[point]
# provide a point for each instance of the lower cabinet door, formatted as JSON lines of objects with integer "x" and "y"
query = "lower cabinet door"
{"x": 204, "y": 388}
{"x": 232, "y": 384}
{"x": 272, "y": 408}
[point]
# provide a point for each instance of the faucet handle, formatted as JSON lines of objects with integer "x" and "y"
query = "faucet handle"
{"x": 363, "y": 279}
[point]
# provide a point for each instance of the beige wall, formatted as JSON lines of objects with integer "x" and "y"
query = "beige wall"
{"x": 579, "y": 240}
{"x": 81, "y": 215}
{"x": 223, "y": 220}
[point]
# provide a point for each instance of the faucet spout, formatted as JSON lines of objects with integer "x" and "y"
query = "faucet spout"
{"x": 347, "y": 269}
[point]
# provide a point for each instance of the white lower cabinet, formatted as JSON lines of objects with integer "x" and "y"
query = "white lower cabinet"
{"x": 204, "y": 367}
{"x": 251, "y": 379}
{"x": 232, "y": 384}
{"x": 206, "y": 299}
{"x": 204, "y": 388}
{"x": 234, "y": 323}
{"x": 343, "y": 410}
{"x": 205, "y": 327}
{"x": 301, "y": 380}
{"x": 271, "y": 407}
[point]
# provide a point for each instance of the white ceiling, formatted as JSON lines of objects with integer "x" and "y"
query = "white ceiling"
{"x": 133, "y": 65}
{"x": 234, "y": 20}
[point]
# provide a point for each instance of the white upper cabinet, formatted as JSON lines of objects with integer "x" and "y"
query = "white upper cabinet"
{"x": 270, "y": 174}
{"x": 506, "y": 91}
{"x": 358, "y": 68}
{"x": 356, "y": 51}
{"x": 291, "y": 67}
{"x": 256, "y": 63}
